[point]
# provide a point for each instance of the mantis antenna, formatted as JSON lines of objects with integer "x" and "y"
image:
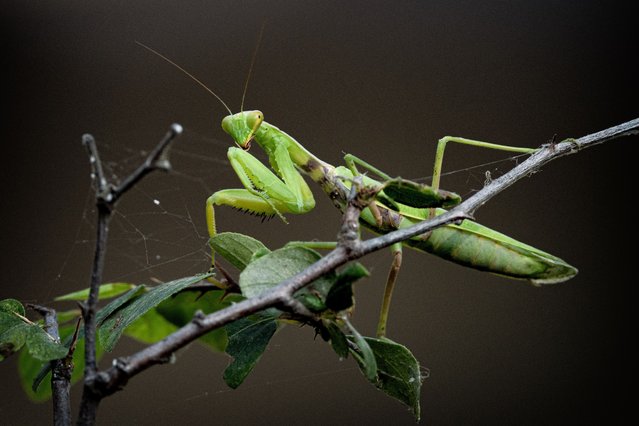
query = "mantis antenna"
{"x": 191, "y": 76}
{"x": 248, "y": 77}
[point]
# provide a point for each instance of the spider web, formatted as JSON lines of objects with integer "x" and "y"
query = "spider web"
{"x": 157, "y": 232}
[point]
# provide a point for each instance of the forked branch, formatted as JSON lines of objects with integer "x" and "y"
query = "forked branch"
{"x": 107, "y": 195}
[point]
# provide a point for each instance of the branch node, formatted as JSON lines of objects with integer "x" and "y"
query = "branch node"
{"x": 198, "y": 318}
{"x": 120, "y": 364}
{"x": 158, "y": 159}
{"x": 462, "y": 216}
{"x": 359, "y": 197}
{"x": 83, "y": 308}
{"x": 574, "y": 145}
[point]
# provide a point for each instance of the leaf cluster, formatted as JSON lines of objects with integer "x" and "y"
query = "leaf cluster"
{"x": 149, "y": 314}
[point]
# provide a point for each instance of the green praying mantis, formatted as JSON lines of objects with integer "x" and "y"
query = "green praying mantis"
{"x": 398, "y": 203}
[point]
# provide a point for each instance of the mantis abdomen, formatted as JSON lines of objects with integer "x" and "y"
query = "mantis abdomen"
{"x": 470, "y": 244}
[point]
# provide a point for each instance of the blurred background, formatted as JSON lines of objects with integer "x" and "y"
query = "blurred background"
{"x": 381, "y": 80}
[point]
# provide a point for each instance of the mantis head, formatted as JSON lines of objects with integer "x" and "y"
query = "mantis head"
{"x": 242, "y": 127}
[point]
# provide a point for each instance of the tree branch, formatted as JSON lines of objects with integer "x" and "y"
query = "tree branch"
{"x": 60, "y": 371}
{"x": 349, "y": 248}
{"x": 157, "y": 160}
{"x": 107, "y": 195}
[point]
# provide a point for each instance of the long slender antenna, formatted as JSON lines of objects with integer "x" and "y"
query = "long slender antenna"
{"x": 187, "y": 73}
{"x": 248, "y": 77}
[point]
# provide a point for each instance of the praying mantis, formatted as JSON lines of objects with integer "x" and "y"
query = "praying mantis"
{"x": 398, "y": 204}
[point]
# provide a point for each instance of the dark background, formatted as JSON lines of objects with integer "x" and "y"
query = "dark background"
{"x": 383, "y": 80}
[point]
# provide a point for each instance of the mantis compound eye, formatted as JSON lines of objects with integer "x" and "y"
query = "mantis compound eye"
{"x": 227, "y": 124}
{"x": 253, "y": 120}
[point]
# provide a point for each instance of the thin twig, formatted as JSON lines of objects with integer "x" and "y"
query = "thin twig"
{"x": 107, "y": 195}
{"x": 60, "y": 370}
{"x": 157, "y": 160}
{"x": 97, "y": 172}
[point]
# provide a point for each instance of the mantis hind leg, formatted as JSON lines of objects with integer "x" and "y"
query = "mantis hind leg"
{"x": 441, "y": 146}
{"x": 351, "y": 162}
{"x": 388, "y": 290}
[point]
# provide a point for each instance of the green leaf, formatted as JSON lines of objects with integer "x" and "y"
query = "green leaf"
{"x": 339, "y": 342}
{"x": 111, "y": 329}
{"x": 28, "y": 369}
{"x": 259, "y": 253}
{"x": 12, "y": 305}
{"x": 32, "y": 373}
{"x": 150, "y": 328}
{"x": 106, "y": 291}
{"x": 99, "y": 318}
{"x": 248, "y": 338}
{"x": 9, "y": 320}
{"x": 270, "y": 270}
{"x": 398, "y": 373}
{"x": 340, "y": 296}
{"x": 13, "y": 334}
{"x": 17, "y": 332}
{"x": 116, "y": 304}
{"x": 364, "y": 355}
{"x": 111, "y": 307}
{"x": 42, "y": 346}
{"x": 180, "y": 308}
{"x": 237, "y": 249}
{"x": 418, "y": 195}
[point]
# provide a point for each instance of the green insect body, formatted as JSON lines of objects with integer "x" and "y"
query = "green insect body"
{"x": 398, "y": 203}
{"x": 285, "y": 191}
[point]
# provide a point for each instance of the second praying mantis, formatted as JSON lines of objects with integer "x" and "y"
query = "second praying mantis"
{"x": 398, "y": 204}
